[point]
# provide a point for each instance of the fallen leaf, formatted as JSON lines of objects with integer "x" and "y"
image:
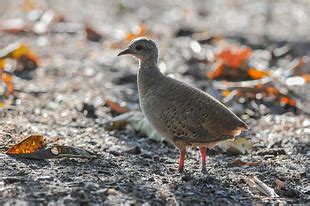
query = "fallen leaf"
{"x": 116, "y": 107}
{"x": 234, "y": 56}
{"x": 138, "y": 122}
{"x": 260, "y": 186}
{"x": 29, "y": 145}
{"x": 2, "y": 64}
{"x": 7, "y": 79}
{"x": 58, "y": 151}
{"x": 239, "y": 145}
{"x": 17, "y": 51}
{"x": 138, "y": 31}
{"x": 287, "y": 101}
{"x": 216, "y": 71}
{"x": 92, "y": 34}
{"x": 272, "y": 90}
{"x": 226, "y": 93}
{"x": 306, "y": 77}
{"x": 33, "y": 148}
{"x": 256, "y": 74}
{"x": 279, "y": 184}
{"x": 239, "y": 162}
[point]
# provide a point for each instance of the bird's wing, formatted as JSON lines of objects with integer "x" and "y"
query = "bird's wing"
{"x": 203, "y": 118}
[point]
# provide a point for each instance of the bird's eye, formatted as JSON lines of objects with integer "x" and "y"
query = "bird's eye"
{"x": 139, "y": 47}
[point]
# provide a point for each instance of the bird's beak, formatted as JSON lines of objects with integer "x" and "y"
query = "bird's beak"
{"x": 126, "y": 51}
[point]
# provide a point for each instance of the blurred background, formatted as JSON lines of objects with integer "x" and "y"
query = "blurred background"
{"x": 60, "y": 77}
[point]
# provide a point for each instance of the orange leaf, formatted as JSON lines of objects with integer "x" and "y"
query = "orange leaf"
{"x": 256, "y": 74}
{"x": 216, "y": 71}
{"x": 259, "y": 86}
{"x": 234, "y": 57}
{"x": 305, "y": 76}
{"x": 272, "y": 90}
{"x": 116, "y": 107}
{"x": 288, "y": 100}
{"x": 239, "y": 162}
{"x": 20, "y": 50}
{"x": 2, "y": 64}
{"x": 9, "y": 84}
{"x": 226, "y": 93}
{"x": 141, "y": 31}
{"x": 31, "y": 144}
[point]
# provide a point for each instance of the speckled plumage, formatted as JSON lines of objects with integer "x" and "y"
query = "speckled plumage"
{"x": 181, "y": 113}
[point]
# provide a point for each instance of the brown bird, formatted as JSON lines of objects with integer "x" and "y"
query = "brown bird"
{"x": 184, "y": 115}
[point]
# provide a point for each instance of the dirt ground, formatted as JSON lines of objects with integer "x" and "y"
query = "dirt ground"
{"x": 64, "y": 102}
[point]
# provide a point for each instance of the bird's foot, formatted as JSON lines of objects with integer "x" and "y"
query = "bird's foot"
{"x": 203, "y": 168}
{"x": 181, "y": 172}
{"x": 204, "y": 171}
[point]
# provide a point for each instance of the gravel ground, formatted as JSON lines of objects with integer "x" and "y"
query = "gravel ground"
{"x": 77, "y": 75}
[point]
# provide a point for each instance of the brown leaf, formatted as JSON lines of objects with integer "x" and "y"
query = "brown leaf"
{"x": 116, "y": 107}
{"x": 239, "y": 162}
{"x": 31, "y": 144}
{"x": 92, "y": 34}
{"x": 279, "y": 184}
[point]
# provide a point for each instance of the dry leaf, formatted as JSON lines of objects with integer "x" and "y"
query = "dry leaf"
{"x": 287, "y": 101}
{"x": 31, "y": 144}
{"x": 92, "y": 34}
{"x": 216, "y": 71}
{"x": 138, "y": 122}
{"x": 239, "y": 162}
{"x": 234, "y": 56}
{"x": 306, "y": 77}
{"x": 7, "y": 79}
{"x": 33, "y": 148}
{"x": 257, "y": 184}
{"x": 138, "y": 31}
{"x": 239, "y": 145}
{"x": 279, "y": 184}
{"x": 116, "y": 107}
{"x": 18, "y": 51}
{"x": 256, "y": 74}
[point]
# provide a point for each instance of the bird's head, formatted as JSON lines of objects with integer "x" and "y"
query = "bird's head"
{"x": 142, "y": 48}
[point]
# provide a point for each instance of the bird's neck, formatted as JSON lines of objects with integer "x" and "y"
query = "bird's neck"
{"x": 148, "y": 75}
{"x": 148, "y": 64}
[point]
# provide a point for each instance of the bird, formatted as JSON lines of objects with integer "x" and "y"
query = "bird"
{"x": 184, "y": 115}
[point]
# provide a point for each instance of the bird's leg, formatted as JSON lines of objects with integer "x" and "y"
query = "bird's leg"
{"x": 203, "y": 158}
{"x": 181, "y": 160}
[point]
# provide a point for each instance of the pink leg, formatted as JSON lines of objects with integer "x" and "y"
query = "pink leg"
{"x": 203, "y": 158}
{"x": 181, "y": 160}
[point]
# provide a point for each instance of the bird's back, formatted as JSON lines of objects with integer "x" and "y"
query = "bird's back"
{"x": 181, "y": 112}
